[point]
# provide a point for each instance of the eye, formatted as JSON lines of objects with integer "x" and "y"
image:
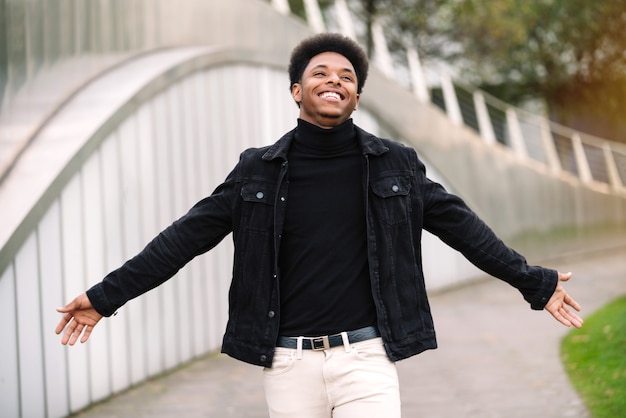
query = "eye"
{"x": 319, "y": 74}
{"x": 347, "y": 78}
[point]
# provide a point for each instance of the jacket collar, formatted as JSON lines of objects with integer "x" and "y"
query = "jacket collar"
{"x": 370, "y": 144}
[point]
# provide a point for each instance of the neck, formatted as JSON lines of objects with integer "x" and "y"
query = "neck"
{"x": 316, "y": 137}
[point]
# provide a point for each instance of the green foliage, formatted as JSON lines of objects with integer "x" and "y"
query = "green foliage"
{"x": 420, "y": 23}
{"x": 595, "y": 359}
{"x": 568, "y": 54}
{"x": 543, "y": 42}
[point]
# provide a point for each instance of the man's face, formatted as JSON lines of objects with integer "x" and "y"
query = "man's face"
{"x": 327, "y": 93}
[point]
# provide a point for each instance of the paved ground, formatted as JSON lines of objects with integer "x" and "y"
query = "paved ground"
{"x": 497, "y": 358}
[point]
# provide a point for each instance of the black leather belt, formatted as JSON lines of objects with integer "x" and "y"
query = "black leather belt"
{"x": 325, "y": 342}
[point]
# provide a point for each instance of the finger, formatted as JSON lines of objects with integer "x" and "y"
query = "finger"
{"x": 75, "y": 334}
{"x": 86, "y": 334}
{"x": 571, "y": 302}
{"x": 563, "y": 277}
{"x": 560, "y": 313}
{"x": 66, "y": 318}
{"x": 67, "y": 308}
{"x": 68, "y": 337}
{"x": 562, "y": 319}
{"x": 62, "y": 323}
{"x": 572, "y": 317}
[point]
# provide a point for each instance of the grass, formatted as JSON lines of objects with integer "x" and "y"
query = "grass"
{"x": 595, "y": 360}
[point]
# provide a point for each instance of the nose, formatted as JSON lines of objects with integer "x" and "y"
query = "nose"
{"x": 333, "y": 78}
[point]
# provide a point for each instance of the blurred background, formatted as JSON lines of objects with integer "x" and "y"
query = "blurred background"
{"x": 118, "y": 115}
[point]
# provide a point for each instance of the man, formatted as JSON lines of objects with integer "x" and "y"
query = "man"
{"x": 328, "y": 290}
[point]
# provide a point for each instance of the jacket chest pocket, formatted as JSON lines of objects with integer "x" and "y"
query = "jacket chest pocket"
{"x": 391, "y": 200}
{"x": 258, "y": 205}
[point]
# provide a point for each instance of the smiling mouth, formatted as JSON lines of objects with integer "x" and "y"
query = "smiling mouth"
{"x": 331, "y": 95}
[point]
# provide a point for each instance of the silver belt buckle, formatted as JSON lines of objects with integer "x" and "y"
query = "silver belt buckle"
{"x": 320, "y": 343}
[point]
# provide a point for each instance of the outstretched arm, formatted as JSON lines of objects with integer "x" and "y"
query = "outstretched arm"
{"x": 80, "y": 317}
{"x": 560, "y": 303}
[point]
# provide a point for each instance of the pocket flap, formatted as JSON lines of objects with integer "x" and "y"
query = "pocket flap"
{"x": 391, "y": 186}
{"x": 258, "y": 192}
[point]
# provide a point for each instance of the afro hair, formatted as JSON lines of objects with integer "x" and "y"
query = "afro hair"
{"x": 328, "y": 42}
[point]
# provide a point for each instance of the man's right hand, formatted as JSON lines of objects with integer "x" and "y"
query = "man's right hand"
{"x": 80, "y": 317}
{"x": 560, "y": 302}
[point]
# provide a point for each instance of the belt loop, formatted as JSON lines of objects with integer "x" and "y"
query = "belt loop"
{"x": 346, "y": 341}
{"x": 299, "y": 348}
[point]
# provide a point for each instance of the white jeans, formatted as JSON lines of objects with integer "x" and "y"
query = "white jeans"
{"x": 355, "y": 380}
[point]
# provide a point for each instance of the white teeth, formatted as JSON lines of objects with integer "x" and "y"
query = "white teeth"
{"x": 330, "y": 94}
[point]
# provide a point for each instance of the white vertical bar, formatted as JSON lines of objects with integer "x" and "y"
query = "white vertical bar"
{"x": 93, "y": 231}
{"x": 74, "y": 275}
{"x": 418, "y": 80}
{"x": 229, "y": 113}
{"x": 9, "y": 378}
{"x": 484, "y": 121}
{"x": 281, "y": 6}
{"x": 266, "y": 107}
{"x": 314, "y": 16}
{"x": 549, "y": 146}
{"x": 584, "y": 172}
{"x": 176, "y": 132}
{"x": 450, "y": 99}
{"x": 51, "y": 284}
{"x": 113, "y": 194}
{"x": 383, "y": 57}
{"x": 29, "y": 329}
{"x": 345, "y": 20}
{"x": 611, "y": 167}
{"x": 515, "y": 132}
{"x": 188, "y": 119}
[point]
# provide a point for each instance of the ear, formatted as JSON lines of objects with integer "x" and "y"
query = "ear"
{"x": 358, "y": 97}
{"x": 296, "y": 93}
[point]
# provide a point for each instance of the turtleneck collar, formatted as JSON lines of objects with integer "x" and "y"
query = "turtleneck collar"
{"x": 325, "y": 140}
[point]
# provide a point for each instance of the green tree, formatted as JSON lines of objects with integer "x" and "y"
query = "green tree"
{"x": 570, "y": 53}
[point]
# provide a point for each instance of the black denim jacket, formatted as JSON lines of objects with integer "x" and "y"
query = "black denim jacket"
{"x": 400, "y": 202}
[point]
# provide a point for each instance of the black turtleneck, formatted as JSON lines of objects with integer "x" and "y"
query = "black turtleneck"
{"x": 325, "y": 286}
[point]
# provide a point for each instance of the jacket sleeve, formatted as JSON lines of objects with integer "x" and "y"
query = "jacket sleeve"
{"x": 448, "y": 217}
{"x": 199, "y": 230}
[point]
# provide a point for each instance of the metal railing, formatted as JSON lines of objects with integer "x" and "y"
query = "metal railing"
{"x": 594, "y": 161}
{"x": 561, "y": 149}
